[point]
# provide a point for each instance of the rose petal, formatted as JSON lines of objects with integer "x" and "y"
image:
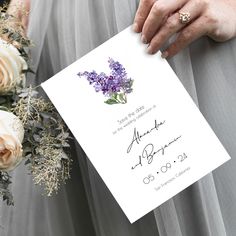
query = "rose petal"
{"x": 11, "y": 136}
{"x": 12, "y": 65}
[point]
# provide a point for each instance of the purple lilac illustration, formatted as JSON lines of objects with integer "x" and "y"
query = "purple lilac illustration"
{"x": 115, "y": 86}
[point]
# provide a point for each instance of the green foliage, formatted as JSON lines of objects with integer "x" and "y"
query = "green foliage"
{"x": 46, "y": 140}
{"x": 117, "y": 98}
{"x": 4, "y": 188}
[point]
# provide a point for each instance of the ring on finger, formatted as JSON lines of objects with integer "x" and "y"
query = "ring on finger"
{"x": 184, "y": 17}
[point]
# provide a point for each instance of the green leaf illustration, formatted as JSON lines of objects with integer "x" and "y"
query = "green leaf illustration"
{"x": 111, "y": 101}
{"x": 122, "y": 98}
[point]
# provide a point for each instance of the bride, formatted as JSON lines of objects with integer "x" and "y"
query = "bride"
{"x": 64, "y": 31}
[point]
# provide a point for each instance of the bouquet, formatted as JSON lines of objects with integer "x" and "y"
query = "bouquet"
{"x": 31, "y": 130}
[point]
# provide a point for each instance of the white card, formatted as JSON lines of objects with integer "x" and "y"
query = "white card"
{"x": 148, "y": 149}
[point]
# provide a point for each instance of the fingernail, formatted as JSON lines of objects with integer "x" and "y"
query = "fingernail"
{"x": 149, "y": 50}
{"x": 135, "y": 27}
{"x": 164, "y": 54}
{"x": 143, "y": 39}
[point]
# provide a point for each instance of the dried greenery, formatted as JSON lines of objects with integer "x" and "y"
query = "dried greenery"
{"x": 46, "y": 141}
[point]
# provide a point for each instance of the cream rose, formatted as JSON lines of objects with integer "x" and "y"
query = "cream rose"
{"x": 11, "y": 67}
{"x": 11, "y": 137}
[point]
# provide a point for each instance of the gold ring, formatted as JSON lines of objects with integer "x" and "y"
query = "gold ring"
{"x": 184, "y": 17}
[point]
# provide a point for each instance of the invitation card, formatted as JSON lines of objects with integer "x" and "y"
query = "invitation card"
{"x": 136, "y": 123}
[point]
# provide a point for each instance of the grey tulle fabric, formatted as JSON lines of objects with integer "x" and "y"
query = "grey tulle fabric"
{"x": 62, "y": 32}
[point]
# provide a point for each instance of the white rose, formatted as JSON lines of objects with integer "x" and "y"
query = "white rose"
{"x": 11, "y": 137}
{"x": 11, "y": 67}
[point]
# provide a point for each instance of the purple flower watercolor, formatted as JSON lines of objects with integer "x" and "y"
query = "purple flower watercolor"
{"x": 115, "y": 86}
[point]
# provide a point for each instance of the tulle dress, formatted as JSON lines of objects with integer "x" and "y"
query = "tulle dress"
{"x": 64, "y": 31}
